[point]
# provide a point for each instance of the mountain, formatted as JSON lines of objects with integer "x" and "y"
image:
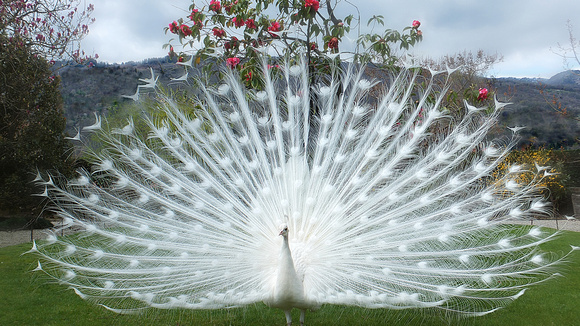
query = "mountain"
{"x": 569, "y": 78}
{"x": 535, "y": 104}
{"x": 99, "y": 89}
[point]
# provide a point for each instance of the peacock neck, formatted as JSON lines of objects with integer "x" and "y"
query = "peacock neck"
{"x": 286, "y": 261}
{"x": 289, "y": 283}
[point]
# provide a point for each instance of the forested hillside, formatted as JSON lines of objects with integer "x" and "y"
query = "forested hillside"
{"x": 534, "y": 104}
{"x": 99, "y": 88}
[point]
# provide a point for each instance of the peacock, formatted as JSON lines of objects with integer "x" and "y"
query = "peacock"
{"x": 305, "y": 191}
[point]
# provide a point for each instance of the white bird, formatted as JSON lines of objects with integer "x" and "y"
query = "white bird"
{"x": 288, "y": 290}
{"x": 380, "y": 208}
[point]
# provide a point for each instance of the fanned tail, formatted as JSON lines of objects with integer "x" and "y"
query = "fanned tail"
{"x": 390, "y": 202}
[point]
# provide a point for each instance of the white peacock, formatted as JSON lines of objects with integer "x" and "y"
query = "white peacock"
{"x": 376, "y": 210}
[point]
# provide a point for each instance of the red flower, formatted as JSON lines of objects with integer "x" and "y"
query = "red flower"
{"x": 228, "y": 7}
{"x": 313, "y": 46}
{"x": 218, "y": 32}
{"x": 185, "y": 30}
{"x": 174, "y": 27}
{"x": 234, "y": 43}
{"x": 193, "y": 14}
{"x": 238, "y": 22}
{"x": 251, "y": 24}
{"x": 232, "y": 62}
{"x": 333, "y": 43}
{"x": 249, "y": 76}
{"x": 416, "y": 24}
{"x": 215, "y": 6}
{"x": 275, "y": 27}
{"x": 314, "y": 4}
{"x": 482, "y": 94}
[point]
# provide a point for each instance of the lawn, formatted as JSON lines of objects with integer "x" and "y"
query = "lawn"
{"x": 28, "y": 298}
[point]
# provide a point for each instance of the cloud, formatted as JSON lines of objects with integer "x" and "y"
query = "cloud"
{"x": 132, "y": 30}
{"x": 523, "y": 31}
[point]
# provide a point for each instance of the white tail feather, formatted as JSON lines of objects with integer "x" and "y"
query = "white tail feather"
{"x": 388, "y": 202}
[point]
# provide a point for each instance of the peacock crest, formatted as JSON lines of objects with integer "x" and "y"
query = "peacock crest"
{"x": 384, "y": 202}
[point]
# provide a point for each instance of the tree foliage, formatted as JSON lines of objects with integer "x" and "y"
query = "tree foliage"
{"x": 52, "y": 28}
{"x": 32, "y": 123}
{"x": 33, "y": 33}
{"x": 468, "y": 83}
{"x": 238, "y": 30}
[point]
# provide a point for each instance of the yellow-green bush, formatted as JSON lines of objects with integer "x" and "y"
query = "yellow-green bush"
{"x": 542, "y": 165}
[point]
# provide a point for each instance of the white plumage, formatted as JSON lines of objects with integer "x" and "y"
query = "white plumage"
{"x": 385, "y": 203}
{"x": 287, "y": 289}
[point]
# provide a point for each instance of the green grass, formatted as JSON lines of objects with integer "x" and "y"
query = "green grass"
{"x": 27, "y": 298}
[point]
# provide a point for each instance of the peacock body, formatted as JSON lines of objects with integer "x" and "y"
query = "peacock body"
{"x": 384, "y": 202}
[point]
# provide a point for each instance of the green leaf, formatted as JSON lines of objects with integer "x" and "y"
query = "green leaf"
{"x": 378, "y": 19}
{"x": 315, "y": 29}
{"x": 348, "y": 19}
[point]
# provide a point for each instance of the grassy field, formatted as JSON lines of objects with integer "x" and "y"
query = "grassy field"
{"x": 27, "y": 298}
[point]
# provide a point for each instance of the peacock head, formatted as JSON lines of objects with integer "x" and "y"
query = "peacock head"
{"x": 283, "y": 230}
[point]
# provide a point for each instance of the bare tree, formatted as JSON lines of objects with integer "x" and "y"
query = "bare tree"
{"x": 52, "y": 28}
{"x": 570, "y": 51}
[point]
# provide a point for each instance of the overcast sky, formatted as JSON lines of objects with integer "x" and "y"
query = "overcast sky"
{"x": 525, "y": 32}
